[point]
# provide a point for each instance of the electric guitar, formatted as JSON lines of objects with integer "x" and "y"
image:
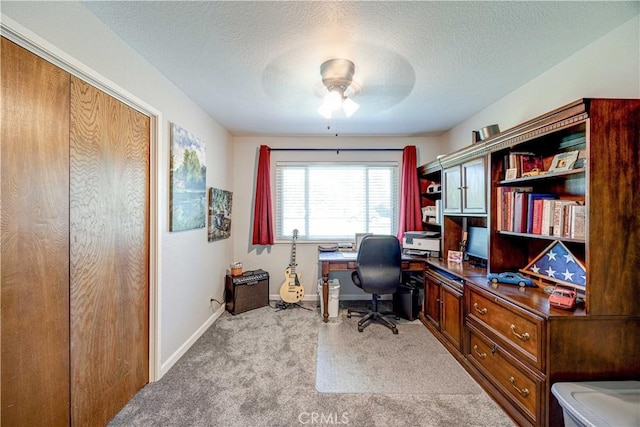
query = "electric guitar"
{"x": 291, "y": 290}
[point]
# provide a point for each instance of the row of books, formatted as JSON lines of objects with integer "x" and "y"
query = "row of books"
{"x": 522, "y": 211}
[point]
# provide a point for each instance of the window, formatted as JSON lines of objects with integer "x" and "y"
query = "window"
{"x": 334, "y": 201}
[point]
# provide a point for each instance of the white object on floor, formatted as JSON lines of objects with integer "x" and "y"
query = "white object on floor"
{"x": 334, "y": 297}
{"x": 599, "y": 403}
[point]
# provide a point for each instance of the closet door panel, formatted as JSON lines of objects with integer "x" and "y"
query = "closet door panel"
{"x": 35, "y": 240}
{"x": 109, "y": 160}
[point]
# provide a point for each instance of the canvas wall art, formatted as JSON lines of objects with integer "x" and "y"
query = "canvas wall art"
{"x": 187, "y": 181}
{"x": 219, "y": 214}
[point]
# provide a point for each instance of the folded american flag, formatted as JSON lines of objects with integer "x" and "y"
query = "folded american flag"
{"x": 557, "y": 263}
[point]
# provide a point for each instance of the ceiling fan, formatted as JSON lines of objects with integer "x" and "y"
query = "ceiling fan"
{"x": 337, "y": 76}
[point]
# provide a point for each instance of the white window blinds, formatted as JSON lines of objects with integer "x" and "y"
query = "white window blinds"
{"x": 333, "y": 201}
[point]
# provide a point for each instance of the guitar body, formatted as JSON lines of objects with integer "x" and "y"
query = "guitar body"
{"x": 291, "y": 290}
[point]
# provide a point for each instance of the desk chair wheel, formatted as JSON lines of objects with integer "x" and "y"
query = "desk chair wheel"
{"x": 349, "y": 316}
{"x": 360, "y": 329}
{"x": 395, "y": 331}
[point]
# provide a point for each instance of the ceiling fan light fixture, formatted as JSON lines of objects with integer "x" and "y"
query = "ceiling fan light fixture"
{"x": 333, "y": 99}
{"x": 349, "y": 107}
{"x": 325, "y": 111}
{"x": 337, "y": 76}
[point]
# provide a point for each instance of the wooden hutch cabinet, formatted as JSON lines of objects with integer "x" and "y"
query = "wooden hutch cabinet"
{"x": 514, "y": 343}
{"x": 465, "y": 188}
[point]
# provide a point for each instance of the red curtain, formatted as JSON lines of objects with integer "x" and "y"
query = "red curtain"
{"x": 263, "y": 211}
{"x": 410, "y": 212}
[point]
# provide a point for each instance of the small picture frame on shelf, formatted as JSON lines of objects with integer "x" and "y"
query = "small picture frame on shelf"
{"x": 511, "y": 173}
{"x": 581, "y": 161}
{"x": 563, "y": 161}
{"x": 455, "y": 256}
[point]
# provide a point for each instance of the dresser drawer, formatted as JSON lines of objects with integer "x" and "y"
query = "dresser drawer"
{"x": 520, "y": 330}
{"x": 517, "y": 383}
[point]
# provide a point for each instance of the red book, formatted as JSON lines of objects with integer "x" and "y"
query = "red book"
{"x": 509, "y": 198}
{"x": 499, "y": 204}
{"x": 537, "y": 216}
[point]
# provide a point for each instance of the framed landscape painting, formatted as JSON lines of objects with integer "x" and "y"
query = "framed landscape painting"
{"x": 187, "y": 201}
{"x": 219, "y": 214}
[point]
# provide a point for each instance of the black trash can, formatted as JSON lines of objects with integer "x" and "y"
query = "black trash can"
{"x": 406, "y": 300}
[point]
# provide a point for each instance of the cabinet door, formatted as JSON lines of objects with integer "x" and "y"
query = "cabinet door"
{"x": 452, "y": 196}
{"x": 451, "y": 315}
{"x": 432, "y": 303}
{"x": 474, "y": 187}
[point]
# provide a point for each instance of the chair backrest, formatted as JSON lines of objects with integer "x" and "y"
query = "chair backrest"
{"x": 379, "y": 264}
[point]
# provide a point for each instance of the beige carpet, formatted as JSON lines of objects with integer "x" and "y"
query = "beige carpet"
{"x": 376, "y": 361}
{"x": 258, "y": 369}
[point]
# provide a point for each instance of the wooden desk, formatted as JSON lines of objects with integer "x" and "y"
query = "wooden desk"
{"x": 346, "y": 261}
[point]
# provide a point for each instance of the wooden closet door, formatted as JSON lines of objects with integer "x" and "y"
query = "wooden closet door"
{"x": 35, "y": 240}
{"x": 109, "y": 221}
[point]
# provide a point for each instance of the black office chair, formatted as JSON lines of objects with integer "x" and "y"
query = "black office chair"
{"x": 378, "y": 272}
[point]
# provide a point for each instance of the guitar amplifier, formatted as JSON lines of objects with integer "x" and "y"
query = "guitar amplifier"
{"x": 246, "y": 292}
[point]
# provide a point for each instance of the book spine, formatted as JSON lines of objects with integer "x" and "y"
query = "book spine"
{"x": 537, "y": 216}
{"x": 547, "y": 217}
{"x": 578, "y": 221}
{"x": 500, "y": 205}
{"x": 520, "y": 212}
{"x": 566, "y": 224}
{"x": 509, "y": 225}
{"x": 556, "y": 229}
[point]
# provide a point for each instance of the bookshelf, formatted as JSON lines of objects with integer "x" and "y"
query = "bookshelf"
{"x": 605, "y": 133}
{"x": 429, "y": 177}
{"x": 514, "y": 343}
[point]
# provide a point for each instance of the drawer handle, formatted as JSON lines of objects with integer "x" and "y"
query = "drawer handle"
{"x": 480, "y": 355}
{"x": 482, "y": 311}
{"x": 523, "y": 337}
{"x": 523, "y": 392}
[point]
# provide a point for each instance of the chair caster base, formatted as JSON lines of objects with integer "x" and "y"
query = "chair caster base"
{"x": 394, "y": 330}
{"x": 348, "y": 315}
{"x": 360, "y": 329}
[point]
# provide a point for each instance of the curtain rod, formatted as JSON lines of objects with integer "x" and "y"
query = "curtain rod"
{"x": 337, "y": 150}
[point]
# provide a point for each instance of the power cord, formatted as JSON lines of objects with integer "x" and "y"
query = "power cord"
{"x": 223, "y": 297}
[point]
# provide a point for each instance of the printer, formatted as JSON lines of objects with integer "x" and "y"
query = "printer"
{"x": 421, "y": 243}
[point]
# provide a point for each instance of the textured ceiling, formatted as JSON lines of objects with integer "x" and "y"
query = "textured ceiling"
{"x": 422, "y": 67}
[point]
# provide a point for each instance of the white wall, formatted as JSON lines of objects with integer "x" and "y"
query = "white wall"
{"x": 191, "y": 269}
{"x": 276, "y": 258}
{"x": 607, "y": 68}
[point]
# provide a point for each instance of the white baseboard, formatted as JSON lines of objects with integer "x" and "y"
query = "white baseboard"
{"x": 164, "y": 367}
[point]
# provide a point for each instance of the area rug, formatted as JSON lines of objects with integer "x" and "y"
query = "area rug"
{"x": 377, "y": 361}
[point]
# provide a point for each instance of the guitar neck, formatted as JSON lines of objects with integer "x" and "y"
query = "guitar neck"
{"x": 292, "y": 264}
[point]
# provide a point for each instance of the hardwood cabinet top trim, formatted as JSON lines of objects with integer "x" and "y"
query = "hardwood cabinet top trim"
{"x": 552, "y": 121}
